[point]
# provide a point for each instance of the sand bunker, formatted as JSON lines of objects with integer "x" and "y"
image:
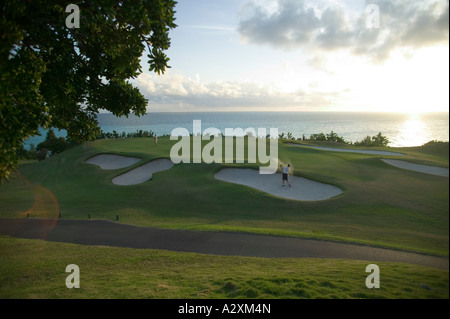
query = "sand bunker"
{"x": 346, "y": 150}
{"x": 110, "y": 161}
{"x": 143, "y": 173}
{"x": 302, "y": 188}
{"x": 433, "y": 170}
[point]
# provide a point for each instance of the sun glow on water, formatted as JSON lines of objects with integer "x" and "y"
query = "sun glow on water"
{"x": 413, "y": 132}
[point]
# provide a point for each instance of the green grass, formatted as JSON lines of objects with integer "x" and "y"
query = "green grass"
{"x": 36, "y": 269}
{"x": 381, "y": 205}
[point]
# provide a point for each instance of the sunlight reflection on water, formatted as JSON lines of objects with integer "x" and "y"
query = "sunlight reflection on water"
{"x": 412, "y": 132}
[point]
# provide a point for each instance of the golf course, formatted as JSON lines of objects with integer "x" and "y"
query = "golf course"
{"x": 365, "y": 202}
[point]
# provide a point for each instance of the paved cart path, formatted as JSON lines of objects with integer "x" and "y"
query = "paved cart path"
{"x": 107, "y": 233}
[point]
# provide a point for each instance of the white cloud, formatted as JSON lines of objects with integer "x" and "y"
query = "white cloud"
{"x": 319, "y": 63}
{"x": 178, "y": 92}
{"x": 293, "y": 24}
{"x": 289, "y": 24}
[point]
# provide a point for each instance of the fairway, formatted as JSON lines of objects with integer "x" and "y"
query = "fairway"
{"x": 379, "y": 205}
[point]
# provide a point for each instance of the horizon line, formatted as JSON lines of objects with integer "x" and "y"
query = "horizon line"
{"x": 282, "y": 111}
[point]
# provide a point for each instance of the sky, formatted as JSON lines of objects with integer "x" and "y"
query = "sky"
{"x": 299, "y": 55}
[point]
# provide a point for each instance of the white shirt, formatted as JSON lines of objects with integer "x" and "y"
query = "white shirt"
{"x": 285, "y": 170}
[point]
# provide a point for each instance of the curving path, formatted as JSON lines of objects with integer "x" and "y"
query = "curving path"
{"x": 101, "y": 232}
{"x": 426, "y": 169}
{"x": 347, "y": 150}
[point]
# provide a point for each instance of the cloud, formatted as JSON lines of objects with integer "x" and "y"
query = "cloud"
{"x": 177, "y": 92}
{"x": 320, "y": 63}
{"x": 293, "y": 24}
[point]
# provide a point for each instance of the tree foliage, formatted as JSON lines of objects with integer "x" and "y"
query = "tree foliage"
{"x": 55, "y": 76}
{"x": 53, "y": 144}
{"x": 377, "y": 140}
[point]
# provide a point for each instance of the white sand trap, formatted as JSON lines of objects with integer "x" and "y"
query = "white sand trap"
{"x": 143, "y": 173}
{"x": 433, "y": 170}
{"x": 347, "y": 150}
{"x": 302, "y": 188}
{"x": 110, "y": 161}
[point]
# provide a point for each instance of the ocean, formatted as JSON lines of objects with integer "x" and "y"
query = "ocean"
{"x": 402, "y": 130}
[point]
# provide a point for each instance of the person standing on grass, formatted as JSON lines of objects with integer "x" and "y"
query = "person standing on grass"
{"x": 156, "y": 139}
{"x": 285, "y": 173}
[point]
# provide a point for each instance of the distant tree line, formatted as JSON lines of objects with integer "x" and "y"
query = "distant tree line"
{"x": 54, "y": 145}
{"x": 115, "y": 134}
{"x": 377, "y": 140}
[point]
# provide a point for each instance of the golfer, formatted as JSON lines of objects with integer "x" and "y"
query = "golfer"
{"x": 285, "y": 173}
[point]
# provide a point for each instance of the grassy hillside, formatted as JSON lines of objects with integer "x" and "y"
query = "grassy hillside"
{"x": 36, "y": 269}
{"x": 381, "y": 205}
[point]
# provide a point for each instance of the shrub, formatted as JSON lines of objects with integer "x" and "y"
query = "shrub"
{"x": 377, "y": 140}
{"x": 53, "y": 144}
